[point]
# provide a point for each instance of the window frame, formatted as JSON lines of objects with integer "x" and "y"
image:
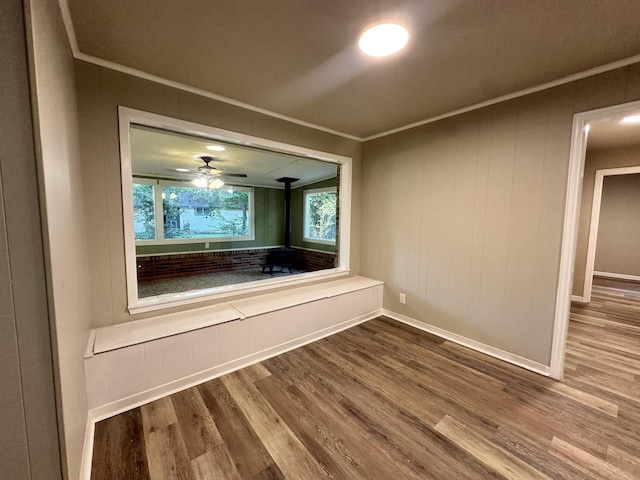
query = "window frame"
{"x": 159, "y": 215}
{"x": 305, "y": 217}
{"x": 128, "y": 117}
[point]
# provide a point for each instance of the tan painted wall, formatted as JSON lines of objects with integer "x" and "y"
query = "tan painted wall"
{"x": 596, "y": 160}
{"x": 465, "y": 215}
{"x": 29, "y": 447}
{"x": 62, "y": 204}
{"x": 619, "y": 227}
{"x": 100, "y": 91}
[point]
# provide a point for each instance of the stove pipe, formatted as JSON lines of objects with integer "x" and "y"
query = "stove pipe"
{"x": 287, "y": 208}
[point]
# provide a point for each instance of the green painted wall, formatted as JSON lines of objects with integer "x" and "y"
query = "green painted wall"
{"x": 269, "y": 228}
{"x": 297, "y": 212}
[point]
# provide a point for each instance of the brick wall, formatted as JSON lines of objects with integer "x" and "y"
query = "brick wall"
{"x": 180, "y": 264}
{"x": 311, "y": 261}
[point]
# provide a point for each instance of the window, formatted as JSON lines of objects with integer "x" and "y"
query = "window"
{"x": 163, "y": 212}
{"x": 320, "y": 215}
{"x": 190, "y": 214}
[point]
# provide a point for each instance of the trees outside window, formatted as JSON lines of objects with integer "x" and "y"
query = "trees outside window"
{"x": 144, "y": 218}
{"x": 320, "y": 215}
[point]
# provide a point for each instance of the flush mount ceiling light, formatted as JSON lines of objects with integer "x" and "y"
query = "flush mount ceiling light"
{"x": 215, "y": 148}
{"x": 182, "y": 169}
{"x": 631, "y": 119}
{"x": 383, "y": 39}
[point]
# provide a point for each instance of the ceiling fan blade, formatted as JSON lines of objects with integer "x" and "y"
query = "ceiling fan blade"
{"x": 237, "y": 175}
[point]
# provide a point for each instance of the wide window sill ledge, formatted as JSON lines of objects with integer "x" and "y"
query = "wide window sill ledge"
{"x": 114, "y": 337}
{"x": 163, "y": 302}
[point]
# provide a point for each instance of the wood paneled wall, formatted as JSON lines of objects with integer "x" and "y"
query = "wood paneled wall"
{"x": 100, "y": 91}
{"x": 465, "y": 215}
{"x": 29, "y": 447}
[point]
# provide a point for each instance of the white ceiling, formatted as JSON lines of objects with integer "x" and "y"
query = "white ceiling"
{"x": 299, "y": 58}
{"x": 157, "y": 153}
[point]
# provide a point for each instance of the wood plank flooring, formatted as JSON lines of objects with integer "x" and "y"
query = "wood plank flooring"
{"x": 385, "y": 401}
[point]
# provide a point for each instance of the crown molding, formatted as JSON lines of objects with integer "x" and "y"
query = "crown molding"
{"x": 68, "y": 23}
{"x": 205, "y": 93}
{"x": 520, "y": 93}
{"x": 68, "y": 26}
{"x": 77, "y": 54}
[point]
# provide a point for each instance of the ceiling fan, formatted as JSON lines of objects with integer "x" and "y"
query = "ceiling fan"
{"x": 209, "y": 177}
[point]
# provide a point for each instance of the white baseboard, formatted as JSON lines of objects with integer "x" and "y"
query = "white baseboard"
{"x": 577, "y": 298}
{"x": 473, "y": 344}
{"x": 134, "y": 401}
{"x": 621, "y": 276}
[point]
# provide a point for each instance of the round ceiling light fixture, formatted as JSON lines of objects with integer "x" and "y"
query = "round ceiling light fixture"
{"x": 215, "y": 148}
{"x": 383, "y": 39}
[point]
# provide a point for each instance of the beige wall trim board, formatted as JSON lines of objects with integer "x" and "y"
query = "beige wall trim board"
{"x": 576, "y": 298}
{"x": 469, "y": 343}
{"x": 595, "y": 223}
{"x": 621, "y": 276}
{"x": 127, "y": 116}
{"x": 125, "y": 404}
{"x": 570, "y": 229}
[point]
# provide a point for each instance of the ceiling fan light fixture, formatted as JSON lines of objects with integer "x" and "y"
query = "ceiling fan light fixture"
{"x": 383, "y": 39}
{"x": 200, "y": 182}
{"x": 215, "y": 184}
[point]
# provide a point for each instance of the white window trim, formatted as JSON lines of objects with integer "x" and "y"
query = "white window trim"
{"x": 128, "y": 116}
{"x": 159, "y": 215}
{"x": 304, "y": 215}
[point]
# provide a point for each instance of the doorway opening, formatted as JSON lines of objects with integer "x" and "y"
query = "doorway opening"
{"x": 602, "y": 128}
{"x": 615, "y": 189}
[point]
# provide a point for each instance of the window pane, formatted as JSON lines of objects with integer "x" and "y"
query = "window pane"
{"x": 192, "y": 212}
{"x": 144, "y": 217}
{"x": 320, "y": 223}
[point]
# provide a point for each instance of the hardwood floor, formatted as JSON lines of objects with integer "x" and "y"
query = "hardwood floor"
{"x": 385, "y": 401}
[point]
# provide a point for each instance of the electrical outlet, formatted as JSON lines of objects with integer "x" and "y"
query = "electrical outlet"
{"x": 206, "y": 245}
{"x": 403, "y": 298}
